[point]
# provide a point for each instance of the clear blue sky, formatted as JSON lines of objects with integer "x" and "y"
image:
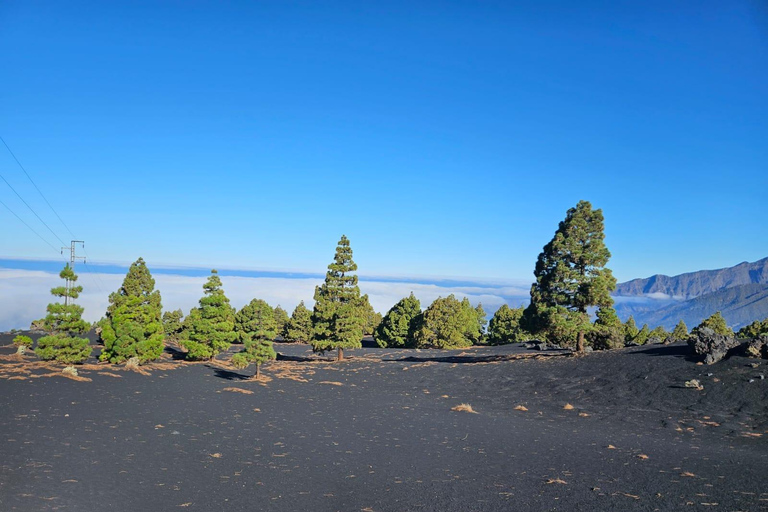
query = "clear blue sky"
{"x": 443, "y": 138}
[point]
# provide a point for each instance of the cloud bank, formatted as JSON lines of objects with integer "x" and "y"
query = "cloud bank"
{"x": 24, "y": 293}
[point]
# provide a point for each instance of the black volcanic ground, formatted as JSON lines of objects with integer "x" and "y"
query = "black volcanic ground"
{"x": 376, "y": 432}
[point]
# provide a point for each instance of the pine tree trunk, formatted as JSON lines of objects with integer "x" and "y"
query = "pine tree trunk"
{"x": 258, "y": 366}
{"x": 340, "y": 354}
{"x": 580, "y": 343}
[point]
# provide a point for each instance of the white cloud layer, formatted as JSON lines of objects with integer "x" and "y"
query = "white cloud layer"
{"x": 24, "y": 294}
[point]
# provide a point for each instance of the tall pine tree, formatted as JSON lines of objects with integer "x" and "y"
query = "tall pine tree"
{"x": 337, "y": 319}
{"x": 63, "y": 323}
{"x": 210, "y": 328}
{"x": 570, "y": 277}
{"x": 399, "y": 325}
{"x": 133, "y": 325}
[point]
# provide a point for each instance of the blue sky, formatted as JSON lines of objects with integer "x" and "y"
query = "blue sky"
{"x": 445, "y": 139}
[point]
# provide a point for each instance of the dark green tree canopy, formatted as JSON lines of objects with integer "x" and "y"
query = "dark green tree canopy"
{"x": 505, "y": 326}
{"x": 449, "y": 323}
{"x": 172, "y": 325}
{"x": 571, "y": 276}
{"x": 210, "y": 328}
{"x": 680, "y": 332}
{"x": 754, "y": 329}
{"x": 255, "y": 320}
{"x": 371, "y": 318}
{"x": 63, "y": 323}
{"x": 398, "y": 327}
{"x": 630, "y": 330}
{"x": 133, "y": 325}
{"x": 281, "y": 318}
{"x": 337, "y": 318}
{"x": 299, "y": 326}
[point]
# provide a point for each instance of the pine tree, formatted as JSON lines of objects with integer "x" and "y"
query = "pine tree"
{"x": 256, "y": 328}
{"x": 281, "y": 318}
{"x": 172, "y": 325}
{"x": 209, "y": 328}
{"x": 755, "y": 329}
{"x": 298, "y": 329}
{"x": 133, "y": 323}
{"x": 643, "y": 335}
{"x": 63, "y": 322}
{"x": 680, "y": 332}
{"x": 371, "y": 318}
{"x": 570, "y": 277}
{"x": 337, "y": 321}
{"x": 630, "y": 330}
{"x": 608, "y": 332}
{"x": 398, "y": 327}
{"x": 256, "y": 319}
{"x": 716, "y": 322}
{"x": 448, "y": 323}
{"x": 505, "y": 326}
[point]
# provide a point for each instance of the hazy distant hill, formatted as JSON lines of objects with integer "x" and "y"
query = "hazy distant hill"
{"x": 740, "y": 305}
{"x": 695, "y": 284}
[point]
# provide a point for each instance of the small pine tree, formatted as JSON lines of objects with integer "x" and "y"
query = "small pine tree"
{"x": 754, "y": 329}
{"x": 337, "y": 322}
{"x": 659, "y": 333}
{"x": 63, "y": 322}
{"x": 505, "y": 326}
{"x": 371, "y": 318}
{"x": 256, "y": 328}
{"x": 22, "y": 340}
{"x": 643, "y": 335}
{"x": 680, "y": 332}
{"x": 399, "y": 325}
{"x": 133, "y": 324}
{"x": 630, "y": 330}
{"x": 298, "y": 329}
{"x": 608, "y": 330}
{"x": 716, "y": 322}
{"x": 209, "y": 328}
{"x": 281, "y": 318}
{"x": 172, "y": 325}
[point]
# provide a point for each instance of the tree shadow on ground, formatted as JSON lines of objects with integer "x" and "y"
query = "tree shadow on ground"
{"x": 304, "y": 359}
{"x": 176, "y": 353}
{"x": 679, "y": 351}
{"x": 228, "y": 375}
{"x": 480, "y": 359}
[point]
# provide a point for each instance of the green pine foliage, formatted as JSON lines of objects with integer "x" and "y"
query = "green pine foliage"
{"x": 643, "y": 335}
{"x": 571, "y": 276}
{"x": 398, "y": 327}
{"x": 753, "y": 330}
{"x": 660, "y": 333}
{"x": 679, "y": 333}
{"x": 371, "y": 318}
{"x": 608, "y": 331}
{"x": 256, "y": 319}
{"x": 630, "y": 330}
{"x": 256, "y": 328}
{"x": 337, "y": 320}
{"x": 716, "y": 322}
{"x": 449, "y": 323}
{"x": 281, "y": 318}
{"x": 172, "y": 325}
{"x": 22, "y": 340}
{"x": 505, "y": 326}
{"x": 210, "y": 328}
{"x": 63, "y": 323}
{"x": 133, "y": 324}
{"x": 298, "y": 329}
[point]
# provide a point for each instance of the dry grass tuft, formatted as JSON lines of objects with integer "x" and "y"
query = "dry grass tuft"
{"x": 584, "y": 414}
{"x": 611, "y": 447}
{"x": 239, "y": 390}
{"x": 687, "y": 474}
{"x": 463, "y": 408}
{"x": 215, "y": 455}
{"x": 110, "y": 374}
{"x": 556, "y": 481}
{"x": 331, "y": 382}
{"x": 521, "y": 408}
{"x": 642, "y": 456}
{"x": 568, "y": 407}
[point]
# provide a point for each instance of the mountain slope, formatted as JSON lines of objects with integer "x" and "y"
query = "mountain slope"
{"x": 740, "y": 305}
{"x": 695, "y": 284}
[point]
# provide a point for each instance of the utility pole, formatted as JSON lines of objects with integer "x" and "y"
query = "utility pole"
{"x": 72, "y": 258}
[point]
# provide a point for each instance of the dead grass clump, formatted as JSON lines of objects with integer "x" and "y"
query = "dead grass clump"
{"x": 521, "y": 408}
{"x": 568, "y": 407}
{"x": 110, "y": 374}
{"x": 239, "y": 390}
{"x": 556, "y": 481}
{"x": 463, "y": 408}
{"x": 331, "y": 382}
{"x": 694, "y": 384}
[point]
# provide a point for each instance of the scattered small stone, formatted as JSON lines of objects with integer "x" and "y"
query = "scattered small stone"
{"x": 694, "y": 384}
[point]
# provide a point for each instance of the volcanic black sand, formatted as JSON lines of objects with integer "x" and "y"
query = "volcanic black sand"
{"x": 608, "y": 431}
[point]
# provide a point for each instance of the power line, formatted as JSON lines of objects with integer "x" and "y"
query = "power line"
{"x": 32, "y": 210}
{"x": 30, "y": 227}
{"x": 37, "y": 188}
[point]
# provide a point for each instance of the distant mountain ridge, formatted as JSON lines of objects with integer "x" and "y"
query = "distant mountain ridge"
{"x": 696, "y": 284}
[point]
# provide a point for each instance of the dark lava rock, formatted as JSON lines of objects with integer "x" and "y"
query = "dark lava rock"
{"x": 758, "y": 347}
{"x": 714, "y": 347}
